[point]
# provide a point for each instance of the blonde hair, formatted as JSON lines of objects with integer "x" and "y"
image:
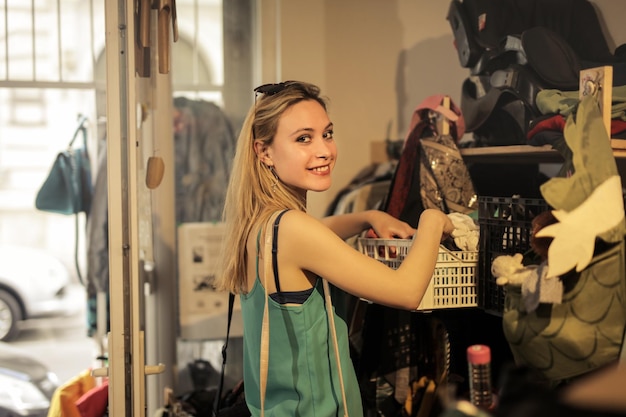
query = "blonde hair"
{"x": 254, "y": 191}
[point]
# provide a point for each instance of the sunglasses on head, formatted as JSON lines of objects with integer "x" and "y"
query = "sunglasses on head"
{"x": 271, "y": 89}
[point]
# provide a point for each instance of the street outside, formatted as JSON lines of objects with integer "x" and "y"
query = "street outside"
{"x": 61, "y": 343}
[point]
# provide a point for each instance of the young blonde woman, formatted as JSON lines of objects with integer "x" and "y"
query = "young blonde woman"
{"x": 277, "y": 256}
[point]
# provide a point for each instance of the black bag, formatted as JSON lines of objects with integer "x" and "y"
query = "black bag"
{"x": 68, "y": 188}
{"x": 233, "y": 403}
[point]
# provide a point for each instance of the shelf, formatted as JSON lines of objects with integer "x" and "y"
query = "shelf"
{"x": 511, "y": 154}
{"x": 521, "y": 154}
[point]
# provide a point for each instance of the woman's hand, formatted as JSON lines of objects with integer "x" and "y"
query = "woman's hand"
{"x": 434, "y": 216}
{"x": 386, "y": 226}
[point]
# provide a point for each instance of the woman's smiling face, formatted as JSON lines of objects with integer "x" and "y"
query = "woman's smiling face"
{"x": 303, "y": 152}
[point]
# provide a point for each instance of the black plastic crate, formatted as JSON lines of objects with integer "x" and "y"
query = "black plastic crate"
{"x": 505, "y": 229}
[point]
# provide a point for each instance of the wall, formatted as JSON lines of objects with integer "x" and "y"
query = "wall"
{"x": 376, "y": 60}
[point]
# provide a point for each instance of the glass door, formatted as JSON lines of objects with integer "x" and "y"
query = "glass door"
{"x": 139, "y": 132}
{"x": 147, "y": 75}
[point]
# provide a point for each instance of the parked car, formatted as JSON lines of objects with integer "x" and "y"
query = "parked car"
{"x": 33, "y": 283}
{"x": 26, "y": 385}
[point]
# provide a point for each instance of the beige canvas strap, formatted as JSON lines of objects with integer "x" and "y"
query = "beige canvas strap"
{"x": 333, "y": 331}
{"x": 265, "y": 329}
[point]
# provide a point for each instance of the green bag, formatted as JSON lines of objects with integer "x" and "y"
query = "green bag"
{"x": 68, "y": 188}
{"x": 582, "y": 333}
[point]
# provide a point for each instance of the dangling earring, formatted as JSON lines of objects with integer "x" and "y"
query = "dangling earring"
{"x": 275, "y": 181}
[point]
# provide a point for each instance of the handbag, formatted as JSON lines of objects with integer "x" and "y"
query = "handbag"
{"x": 445, "y": 182}
{"x": 584, "y": 332}
{"x": 68, "y": 188}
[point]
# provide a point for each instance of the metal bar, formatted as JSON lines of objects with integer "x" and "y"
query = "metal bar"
{"x": 33, "y": 37}
{"x": 92, "y": 37}
{"x": 52, "y": 84}
{"x": 59, "y": 52}
{"x": 196, "y": 29}
{"x": 278, "y": 39}
{"x": 6, "y": 39}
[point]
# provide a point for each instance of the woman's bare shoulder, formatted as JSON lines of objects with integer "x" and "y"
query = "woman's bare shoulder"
{"x": 297, "y": 223}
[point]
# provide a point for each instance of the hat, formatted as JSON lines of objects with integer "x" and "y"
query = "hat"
{"x": 435, "y": 103}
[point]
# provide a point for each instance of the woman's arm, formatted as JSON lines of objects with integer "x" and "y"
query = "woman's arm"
{"x": 306, "y": 245}
{"x": 385, "y": 225}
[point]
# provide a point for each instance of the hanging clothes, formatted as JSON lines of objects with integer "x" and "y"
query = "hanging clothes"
{"x": 204, "y": 146}
{"x": 397, "y": 346}
{"x": 63, "y": 403}
{"x": 95, "y": 402}
{"x": 98, "y": 244}
{"x": 431, "y": 172}
{"x": 204, "y": 142}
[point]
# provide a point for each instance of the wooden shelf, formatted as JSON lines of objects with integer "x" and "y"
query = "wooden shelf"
{"x": 511, "y": 154}
{"x": 526, "y": 154}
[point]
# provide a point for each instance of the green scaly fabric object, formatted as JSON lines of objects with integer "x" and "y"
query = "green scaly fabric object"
{"x": 586, "y": 330}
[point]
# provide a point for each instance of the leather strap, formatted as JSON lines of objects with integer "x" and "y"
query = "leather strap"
{"x": 218, "y": 397}
{"x": 275, "y": 250}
